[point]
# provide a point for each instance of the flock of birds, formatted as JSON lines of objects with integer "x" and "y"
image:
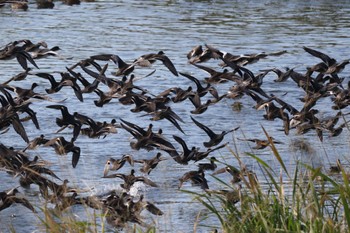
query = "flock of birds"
{"x": 41, "y": 4}
{"x": 89, "y": 77}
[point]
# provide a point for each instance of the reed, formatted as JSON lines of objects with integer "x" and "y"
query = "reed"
{"x": 66, "y": 221}
{"x": 54, "y": 221}
{"x": 302, "y": 200}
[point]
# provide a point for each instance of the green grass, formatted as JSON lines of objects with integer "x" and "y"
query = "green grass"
{"x": 303, "y": 199}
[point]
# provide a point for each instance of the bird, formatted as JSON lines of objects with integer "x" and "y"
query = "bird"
{"x": 19, "y": 5}
{"x": 229, "y": 196}
{"x": 169, "y": 114}
{"x": 195, "y": 52}
{"x": 330, "y": 65}
{"x": 235, "y": 173}
{"x": 148, "y": 59}
{"x": 67, "y": 120}
{"x": 45, "y": 4}
{"x": 196, "y": 177}
{"x": 9, "y": 197}
{"x": 215, "y": 139}
{"x": 261, "y": 143}
{"x": 88, "y": 87}
{"x": 140, "y": 205}
{"x": 337, "y": 168}
{"x": 71, "y": 2}
{"x": 202, "y": 91}
{"x": 116, "y": 164}
{"x": 130, "y": 179}
{"x": 199, "y": 155}
{"x": 208, "y": 166}
{"x": 199, "y": 107}
{"x": 13, "y": 50}
{"x": 68, "y": 201}
{"x": 150, "y": 164}
{"x": 62, "y": 147}
{"x": 147, "y": 139}
{"x": 186, "y": 155}
{"x": 33, "y": 144}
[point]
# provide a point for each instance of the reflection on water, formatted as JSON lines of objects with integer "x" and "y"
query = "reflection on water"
{"x": 133, "y": 28}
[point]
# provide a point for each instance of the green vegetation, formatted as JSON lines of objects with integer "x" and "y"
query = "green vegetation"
{"x": 303, "y": 200}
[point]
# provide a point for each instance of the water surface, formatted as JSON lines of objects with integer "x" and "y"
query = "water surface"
{"x": 133, "y": 28}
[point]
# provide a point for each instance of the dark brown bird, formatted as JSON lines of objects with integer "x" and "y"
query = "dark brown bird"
{"x": 148, "y": 59}
{"x": 199, "y": 107}
{"x": 196, "y": 177}
{"x": 260, "y": 143}
{"x": 63, "y": 147}
{"x": 33, "y": 144}
{"x": 129, "y": 180}
{"x": 235, "y": 173}
{"x": 150, "y": 164}
{"x": 202, "y": 91}
{"x": 67, "y": 120}
{"x": 9, "y": 197}
{"x": 13, "y": 50}
{"x": 116, "y": 164}
{"x": 208, "y": 166}
{"x": 337, "y": 168}
{"x": 146, "y": 139}
{"x": 331, "y": 66}
{"x": 215, "y": 139}
{"x": 186, "y": 154}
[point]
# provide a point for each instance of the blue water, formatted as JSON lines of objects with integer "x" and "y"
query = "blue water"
{"x": 133, "y": 28}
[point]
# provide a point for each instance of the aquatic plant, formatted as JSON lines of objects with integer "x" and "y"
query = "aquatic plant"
{"x": 301, "y": 200}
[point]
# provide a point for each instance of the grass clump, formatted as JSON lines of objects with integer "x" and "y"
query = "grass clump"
{"x": 303, "y": 200}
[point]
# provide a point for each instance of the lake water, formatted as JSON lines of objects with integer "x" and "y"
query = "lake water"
{"x": 133, "y": 28}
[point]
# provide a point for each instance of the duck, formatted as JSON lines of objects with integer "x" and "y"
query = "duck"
{"x": 230, "y": 196}
{"x": 195, "y": 52}
{"x": 169, "y": 114}
{"x": 9, "y": 198}
{"x": 329, "y": 64}
{"x": 68, "y": 201}
{"x": 130, "y": 179}
{"x": 58, "y": 190}
{"x": 196, "y": 177}
{"x": 147, "y": 139}
{"x": 337, "y": 168}
{"x": 202, "y": 91}
{"x": 88, "y": 87}
{"x": 67, "y": 120}
{"x": 45, "y": 4}
{"x": 19, "y": 5}
{"x": 150, "y": 164}
{"x": 200, "y": 55}
{"x": 235, "y": 173}
{"x": 208, "y": 166}
{"x": 62, "y": 147}
{"x": 261, "y": 143}
{"x": 217, "y": 76}
{"x": 71, "y": 2}
{"x": 13, "y": 50}
{"x": 199, "y": 107}
{"x": 33, "y": 144}
{"x": 137, "y": 207}
{"x": 116, "y": 164}
{"x": 199, "y": 155}
{"x": 25, "y": 94}
{"x": 186, "y": 155}
{"x": 148, "y": 59}
{"x": 215, "y": 138}
{"x": 19, "y": 77}
{"x": 68, "y": 80}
